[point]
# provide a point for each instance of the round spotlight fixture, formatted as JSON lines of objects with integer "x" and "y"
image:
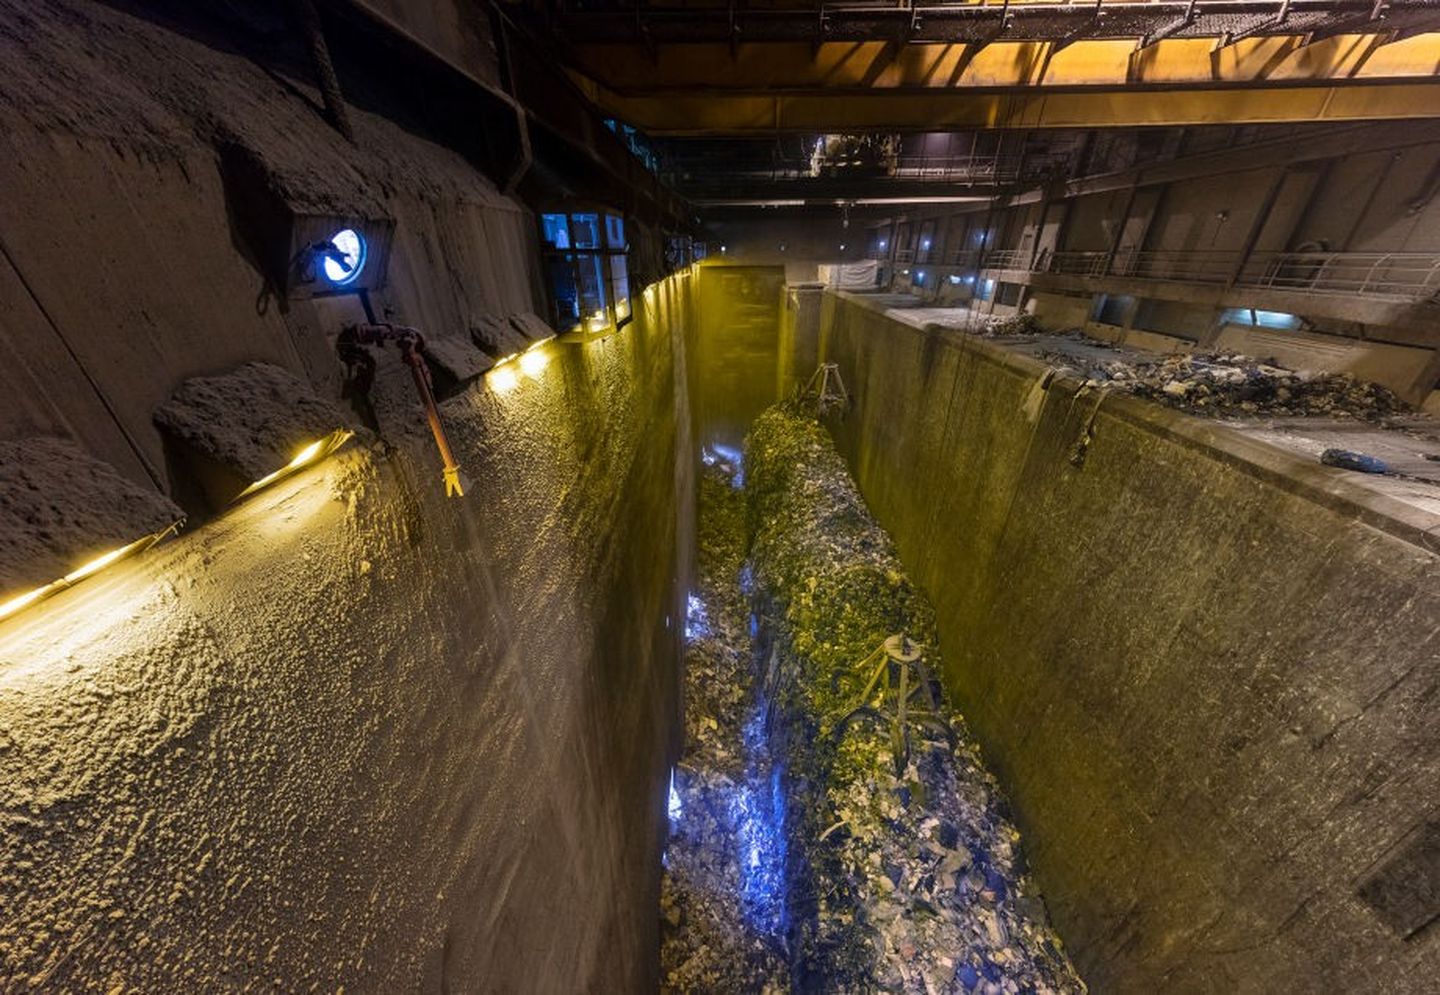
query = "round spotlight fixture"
{"x": 342, "y": 266}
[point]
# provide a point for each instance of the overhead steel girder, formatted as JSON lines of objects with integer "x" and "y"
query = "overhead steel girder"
{"x": 701, "y": 89}
{"x": 969, "y": 23}
{"x": 725, "y": 189}
{"x": 775, "y": 68}
{"x": 678, "y": 114}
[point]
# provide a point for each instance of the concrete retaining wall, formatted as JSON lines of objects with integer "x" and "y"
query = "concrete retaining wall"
{"x": 349, "y": 735}
{"x": 1204, "y": 669}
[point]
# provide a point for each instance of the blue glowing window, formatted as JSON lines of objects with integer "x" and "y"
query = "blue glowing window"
{"x": 557, "y": 230}
{"x": 614, "y": 232}
{"x": 1261, "y": 319}
{"x": 587, "y": 230}
{"x": 346, "y": 258}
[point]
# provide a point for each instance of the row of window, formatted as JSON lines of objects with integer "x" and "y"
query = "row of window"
{"x": 586, "y": 266}
{"x": 586, "y": 260}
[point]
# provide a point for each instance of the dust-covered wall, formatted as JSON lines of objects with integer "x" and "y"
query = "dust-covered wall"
{"x": 1203, "y": 669}
{"x": 349, "y": 734}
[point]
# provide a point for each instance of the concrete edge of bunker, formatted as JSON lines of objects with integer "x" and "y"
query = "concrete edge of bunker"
{"x": 1322, "y": 485}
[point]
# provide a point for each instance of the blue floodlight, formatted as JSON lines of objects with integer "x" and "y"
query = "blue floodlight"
{"x": 349, "y": 246}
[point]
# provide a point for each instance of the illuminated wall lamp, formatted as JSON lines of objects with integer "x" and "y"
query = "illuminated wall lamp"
{"x": 243, "y": 431}
{"x": 88, "y": 569}
{"x": 313, "y": 453}
{"x": 305, "y": 253}
{"x": 61, "y": 505}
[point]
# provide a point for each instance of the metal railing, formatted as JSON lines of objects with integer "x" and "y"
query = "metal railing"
{"x": 1414, "y": 275}
{"x": 1005, "y": 259}
{"x": 1386, "y": 274}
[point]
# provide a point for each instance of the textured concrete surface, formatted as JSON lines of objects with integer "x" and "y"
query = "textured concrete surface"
{"x": 349, "y": 734}
{"x": 1203, "y": 668}
{"x": 355, "y": 735}
{"x": 736, "y": 344}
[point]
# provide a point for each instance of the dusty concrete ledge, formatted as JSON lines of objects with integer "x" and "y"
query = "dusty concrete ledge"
{"x": 1342, "y": 492}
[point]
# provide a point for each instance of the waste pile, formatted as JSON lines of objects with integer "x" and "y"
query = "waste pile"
{"x": 712, "y": 936}
{"x": 904, "y": 873}
{"x": 1230, "y": 385}
{"x": 1002, "y": 326}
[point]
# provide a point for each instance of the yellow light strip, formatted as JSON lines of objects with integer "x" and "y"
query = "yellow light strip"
{"x": 89, "y": 569}
{"x": 316, "y": 450}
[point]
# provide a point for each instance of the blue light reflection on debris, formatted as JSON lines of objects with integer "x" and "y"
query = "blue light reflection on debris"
{"x": 674, "y": 807}
{"x": 697, "y": 621}
{"x": 728, "y": 458}
{"x": 758, "y": 808}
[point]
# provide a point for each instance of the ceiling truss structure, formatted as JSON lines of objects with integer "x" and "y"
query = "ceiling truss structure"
{"x": 981, "y": 23}
{"x": 915, "y": 66}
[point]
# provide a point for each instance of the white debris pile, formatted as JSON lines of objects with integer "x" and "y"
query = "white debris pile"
{"x": 1000, "y": 326}
{"x": 1231, "y": 385}
{"x": 904, "y": 876}
{"x": 712, "y": 934}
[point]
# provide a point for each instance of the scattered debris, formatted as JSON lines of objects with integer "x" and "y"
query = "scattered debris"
{"x": 999, "y": 326}
{"x": 720, "y": 894}
{"x": 907, "y": 880}
{"x": 1346, "y": 460}
{"x": 1235, "y": 386}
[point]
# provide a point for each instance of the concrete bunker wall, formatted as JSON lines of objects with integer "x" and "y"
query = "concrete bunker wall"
{"x": 349, "y": 734}
{"x": 1203, "y": 672}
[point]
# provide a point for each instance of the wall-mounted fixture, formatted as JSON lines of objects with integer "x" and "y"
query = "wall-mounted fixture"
{"x": 306, "y": 248}
{"x": 343, "y": 257}
{"x": 412, "y": 346}
{"x": 66, "y": 517}
{"x": 240, "y": 432}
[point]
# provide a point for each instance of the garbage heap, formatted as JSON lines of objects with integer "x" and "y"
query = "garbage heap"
{"x": 710, "y": 939}
{"x": 907, "y": 880}
{"x": 1230, "y": 385}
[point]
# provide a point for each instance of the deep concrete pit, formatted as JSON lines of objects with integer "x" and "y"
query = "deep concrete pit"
{"x": 352, "y": 735}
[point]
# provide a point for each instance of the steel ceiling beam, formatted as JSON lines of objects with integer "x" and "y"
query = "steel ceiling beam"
{"x": 686, "y": 114}
{"x": 948, "y": 22}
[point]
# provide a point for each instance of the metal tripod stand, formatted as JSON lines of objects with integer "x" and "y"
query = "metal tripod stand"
{"x": 894, "y": 661}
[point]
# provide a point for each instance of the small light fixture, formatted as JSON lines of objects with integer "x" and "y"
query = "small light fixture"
{"x": 312, "y": 453}
{"x": 343, "y": 258}
{"x": 88, "y": 569}
{"x": 842, "y": 246}
{"x": 52, "y": 488}
{"x": 883, "y": 243}
{"x": 272, "y": 424}
{"x": 503, "y": 379}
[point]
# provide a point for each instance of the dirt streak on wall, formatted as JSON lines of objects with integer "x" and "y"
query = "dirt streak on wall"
{"x": 1206, "y": 683}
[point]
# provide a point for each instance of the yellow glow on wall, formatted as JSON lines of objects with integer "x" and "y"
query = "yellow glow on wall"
{"x": 597, "y": 322}
{"x": 532, "y": 364}
{"x": 502, "y": 379}
{"x": 316, "y": 450}
{"x": 88, "y": 569}
{"x": 15, "y": 604}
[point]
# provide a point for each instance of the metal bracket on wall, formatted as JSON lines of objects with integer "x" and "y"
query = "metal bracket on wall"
{"x": 412, "y": 346}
